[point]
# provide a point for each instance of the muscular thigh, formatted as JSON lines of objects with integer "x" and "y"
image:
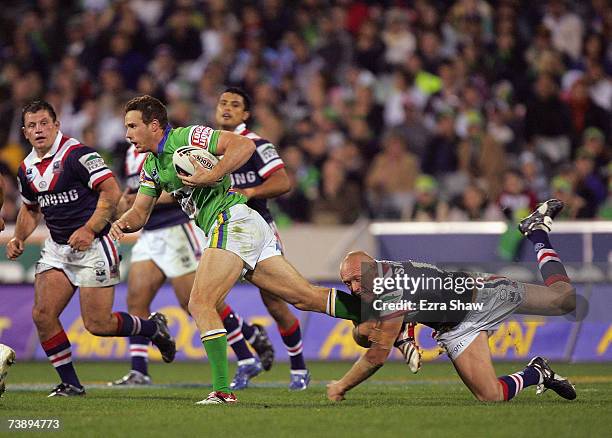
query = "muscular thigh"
{"x": 276, "y": 276}
{"x": 144, "y": 280}
{"x": 52, "y": 291}
{"x": 217, "y": 272}
{"x": 475, "y": 367}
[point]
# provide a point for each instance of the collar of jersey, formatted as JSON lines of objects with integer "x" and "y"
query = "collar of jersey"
{"x": 54, "y": 147}
{"x": 240, "y": 129}
{"x": 161, "y": 144}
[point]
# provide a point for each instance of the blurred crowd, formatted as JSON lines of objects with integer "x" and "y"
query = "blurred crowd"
{"x": 397, "y": 110}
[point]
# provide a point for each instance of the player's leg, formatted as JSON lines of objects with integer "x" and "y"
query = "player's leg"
{"x": 52, "y": 292}
{"x": 7, "y": 358}
{"x": 475, "y": 367}
{"x": 289, "y": 328}
{"x": 277, "y": 276}
{"x": 248, "y": 366}
{"x": 144, "y": 280}
{"x": 217, "y": 272}
{"x": 558, "y": 297}
{"x": 99, "y": 320}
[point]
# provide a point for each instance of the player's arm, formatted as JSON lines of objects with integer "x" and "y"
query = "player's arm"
{"x": 275, "y": 185}
{"x": 236, "y": 150}
{"x": 109, "y": 195}
{"x": 382, "y": 337}
{"x": 27, "y": 220}
{"x": 136, "y": 217}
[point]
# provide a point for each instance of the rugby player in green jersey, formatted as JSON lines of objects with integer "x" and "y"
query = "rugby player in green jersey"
{"x": 239, "y": 241}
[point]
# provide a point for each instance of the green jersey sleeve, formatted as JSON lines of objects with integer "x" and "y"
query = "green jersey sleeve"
{"x": 149, "y": 179}
{"x": 198, "y": 135}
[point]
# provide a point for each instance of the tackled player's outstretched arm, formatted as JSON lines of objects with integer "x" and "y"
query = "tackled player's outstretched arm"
{"x": 381, "y": 337}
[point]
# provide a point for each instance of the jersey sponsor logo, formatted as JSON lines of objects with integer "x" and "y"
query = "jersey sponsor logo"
{"x": 267, "y": 152}
{"x": 92, "y": 162}
{"x": 200, "y": 136}
{"x": 50, "y": 199}
{"x": 42, "y": 185}
{"x": 243, "y": 178}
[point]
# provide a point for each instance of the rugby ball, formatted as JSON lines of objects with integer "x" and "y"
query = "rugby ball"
{"x": 182, "y": 165}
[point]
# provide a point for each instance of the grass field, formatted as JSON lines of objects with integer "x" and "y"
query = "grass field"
{"x": 393, "y": 403}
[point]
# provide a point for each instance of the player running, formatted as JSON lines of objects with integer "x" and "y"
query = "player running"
{"x": 238, "y": 239}
{"x": 69, "y": 185}
{"x": 463, "y": 332}
{"x": 262, "y": 177}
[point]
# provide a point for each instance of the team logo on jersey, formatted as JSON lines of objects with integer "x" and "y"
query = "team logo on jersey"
{"x": 42, "y": 185}
{"x": 30, "y": 174}
{"x": 57, "y": 167}
{"x": 92, "y": 161}
{"x": 200, "y": 136}
{"x": 267, "y": 152}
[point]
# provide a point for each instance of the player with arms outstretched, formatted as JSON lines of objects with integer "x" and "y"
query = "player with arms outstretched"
{"x": 464, "y": 332}
{"x": 70, "y": 185}
{"x": 238, "y": 239}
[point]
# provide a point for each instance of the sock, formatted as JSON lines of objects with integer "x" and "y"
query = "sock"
{"x": 139, "y": 352}
{"x": 215, "y": 344}
{"x": 235, "y": 338}
{"x": 343, "y": 305}
{"x": 248, "y": 330}
{"x": 59, "y": 352}
{"x": 549, "y": 263}
{"x": 514, "y": 383}
{"x": 129, "y": 325}
{"x": 292, "y": 338}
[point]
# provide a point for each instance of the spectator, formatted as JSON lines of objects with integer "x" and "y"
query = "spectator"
{"x": 390, "y": 180}
{"x": 427, "y": 204}
{"x": 472, "y": 204}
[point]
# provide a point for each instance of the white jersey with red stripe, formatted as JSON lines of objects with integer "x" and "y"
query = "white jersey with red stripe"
{"x": 263, "y": 163}
{"x": 63, "y": 184}
{"x": 163, "y": 215}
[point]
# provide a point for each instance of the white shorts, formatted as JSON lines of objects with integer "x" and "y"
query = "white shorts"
{"x": 499, "y": 298}
{"x": 244, "y": 232}
{"x": 175, "y": 250}
{"x": 97, "y": 266}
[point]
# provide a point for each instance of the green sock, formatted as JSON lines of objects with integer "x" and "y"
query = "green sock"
{"x": 345, "y": 306}
{"x": 215, "y": 344}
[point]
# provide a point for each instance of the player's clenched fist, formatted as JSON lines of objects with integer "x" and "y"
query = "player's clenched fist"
{"x": 335, "y": 392}
{"x": 14, "y": 248}
{"x": 82, "y": 238}
{"x": 118, "y": 229}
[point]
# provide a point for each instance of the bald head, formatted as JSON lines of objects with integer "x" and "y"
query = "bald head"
{"x": 350, "y": 270}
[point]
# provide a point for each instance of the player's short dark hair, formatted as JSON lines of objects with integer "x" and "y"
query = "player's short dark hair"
{"x": 240, "y": 92}
{"x": 38, "y": 105}
{"x": 150, "y": 108}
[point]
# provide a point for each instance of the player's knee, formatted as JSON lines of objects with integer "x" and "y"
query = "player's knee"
{"x": 41, "y": 316}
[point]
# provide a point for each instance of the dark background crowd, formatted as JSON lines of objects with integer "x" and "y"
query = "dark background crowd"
{"x": 401, "y": 110}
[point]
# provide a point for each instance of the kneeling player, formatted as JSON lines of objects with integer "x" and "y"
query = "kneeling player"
{"x": 464, "y": 333}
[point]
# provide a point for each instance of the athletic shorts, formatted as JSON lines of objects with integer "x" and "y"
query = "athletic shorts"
{"x": 175, "y": 250}
{"x": 500, "y": 298}
{"x": 277, "y": 235}
{"x": 244, "y": 232}
{"x": 97, "y": 266}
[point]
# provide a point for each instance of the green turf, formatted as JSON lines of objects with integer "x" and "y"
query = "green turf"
{"x": 393, "y": 403}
